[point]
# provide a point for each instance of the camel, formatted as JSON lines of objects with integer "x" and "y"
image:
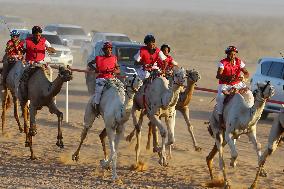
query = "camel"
{"x": 12, "y": 87}
{"x": 115, "y": 107}
{"x": 183, "y": 106}
{"x": 241, "y": 115}
{"x": 41, "y": 92}
{"x": 275, "y": 137}
{"x": 158, "y": 100}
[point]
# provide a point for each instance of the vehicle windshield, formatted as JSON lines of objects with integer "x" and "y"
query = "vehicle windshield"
{"x": 12, "y": 20}
{"x": 52, "y": 39}
{"x": 118, "y": 38}
{"x": 126, "y": 53}
{"x": 70, "y": 31}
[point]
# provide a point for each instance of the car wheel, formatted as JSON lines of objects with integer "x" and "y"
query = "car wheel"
{"x": 91, "y": 83}
{"x": 264, "y": 115}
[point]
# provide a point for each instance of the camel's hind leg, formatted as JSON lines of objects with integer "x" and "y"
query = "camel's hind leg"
{"x": 16, "y": 113}
{"x": 185, "y": 113}
{"x": 54, "y": 110}
{"x": 209, "y": 160}
{"x": 102, "y": 136}
{"x": 170, "y": 122}
{"x": 273, "y": 140}
{"x": 89, "y": 119}
{"x": 24, "y": 107}
{"x": 4, "y": 105}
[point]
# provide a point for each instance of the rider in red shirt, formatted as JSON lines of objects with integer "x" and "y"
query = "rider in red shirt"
{"x": 167, "y": 65}
{"x": 229, "y": 72}
{"x": 106, "y": 67}
{"x": 14, "y": 51}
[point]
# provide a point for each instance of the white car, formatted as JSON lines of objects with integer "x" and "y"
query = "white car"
{"x": 71, "y": 35}
{"x": 63, "y": 55}
{"x": 270, "y": 69}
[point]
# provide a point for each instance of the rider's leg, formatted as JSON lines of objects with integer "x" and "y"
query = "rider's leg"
{"x": 100, "y": 83}
{"x": 220, "y": 103}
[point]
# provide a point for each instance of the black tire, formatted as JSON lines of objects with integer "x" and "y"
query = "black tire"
{"x": 264, "y": 115}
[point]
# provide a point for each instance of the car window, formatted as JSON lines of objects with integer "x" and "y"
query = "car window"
{"x": 118, "y": 38}
{"x": 126, "y": 53}
{"x": 52, "y": 39}
{"x": 272, "y": 69}
{"x": 70, "y": 31}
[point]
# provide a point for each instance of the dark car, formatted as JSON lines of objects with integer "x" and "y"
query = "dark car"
{"x": 124, "y": 51}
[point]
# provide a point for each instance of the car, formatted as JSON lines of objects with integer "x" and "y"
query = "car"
{"x": 125, "y": 52}
{"x": 270, "y": 69}
{"x": 63, "y": 55}
{"x": 9, "y": 22}
{"x": 87, "y": 46}
{"x": 71, "y": 35}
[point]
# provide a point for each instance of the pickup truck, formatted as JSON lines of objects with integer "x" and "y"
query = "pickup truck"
{"x": 87, "y": 46}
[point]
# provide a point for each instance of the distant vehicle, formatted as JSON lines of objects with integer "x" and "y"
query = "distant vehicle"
{"x": 71, "y": 35}
{"x": 270, "y": 69}
{"x": 9, "y": 22}
{"x": 87, "y": 46}
{"x": 63, "y": 54}
{"x": 125, "y": 52}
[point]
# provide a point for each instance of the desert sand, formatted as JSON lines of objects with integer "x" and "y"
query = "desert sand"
{"x": 198, "y": 33}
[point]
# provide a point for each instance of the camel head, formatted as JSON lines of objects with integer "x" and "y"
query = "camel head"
{"x": 193, "y": 75}
{"x": 65, "y": 73}
{"x": 264, "y": 90}
{"x": 179, "y": 76}
{"x": 133, "y": 82}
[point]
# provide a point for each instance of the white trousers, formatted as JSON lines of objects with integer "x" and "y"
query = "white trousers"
{"x": 142, "y": 74}
{"x": 220, "y": 96}
{"x": 100, "y": 83}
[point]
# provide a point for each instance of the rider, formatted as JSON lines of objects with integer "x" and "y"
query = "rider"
{"x": 105, "y": 66}
{"x": 14, "y": 50}
{"x": 148, "y": 56}
{"x": 169, "y": 63}
{"x": 229, "y": 75}
{"x": 36, "y": 45}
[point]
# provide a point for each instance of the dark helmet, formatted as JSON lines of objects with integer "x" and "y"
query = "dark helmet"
{"x": 165, "y": 46}
{"x": 230, "y": 49}
{"x": 14, "y": 33}
{"x": 107, "y": 44}
{"x": 149, "y": 38}
{"x": 36, "y": 29}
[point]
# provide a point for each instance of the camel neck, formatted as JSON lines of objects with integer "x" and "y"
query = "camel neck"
{"x": 187, "y": 94}
{"x": 54, "y": 87}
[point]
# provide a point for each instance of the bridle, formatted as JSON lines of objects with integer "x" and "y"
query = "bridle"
{"x": 131, "y": 86}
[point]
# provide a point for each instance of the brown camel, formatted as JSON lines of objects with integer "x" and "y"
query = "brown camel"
{"x": 41, "y": 92}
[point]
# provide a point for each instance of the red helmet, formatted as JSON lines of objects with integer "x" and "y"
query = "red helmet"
{"x": 107, "y": 44}
{"x": 231, "y": 48}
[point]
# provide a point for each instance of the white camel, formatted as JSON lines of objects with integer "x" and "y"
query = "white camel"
{"x": 274, "y": 139}
{"x": 241, "y": 115}
{"x": 157, "y": 100}
{"x": 115, "y": 107}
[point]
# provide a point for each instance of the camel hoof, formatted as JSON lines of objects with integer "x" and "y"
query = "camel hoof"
{"x": 129, "y": 138}
{"x": 27, "y": 144}
{"x": 21, "y": 129}
{"x": 227, "y": 185}
{"x": 263, "y": 172}
{"x": 105, "y": 165}
{"x": 60, "y": 144}
{"x": 233, "y": 162}
{"x": 75, "y": 157}
{"x": 32, "y": 132}
{"x": 33, "y": 157}
{"x": 156, "y": 149}
{"x": 198, "y": 149}
{"x": 253, "y": 186}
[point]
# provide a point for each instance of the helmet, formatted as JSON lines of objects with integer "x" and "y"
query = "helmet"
{"x": 149, "y": 38}
{"x": 166, "y": 46}
{"x": 107, "y": 44}
{"x": 36, "y": 29}
{"x": 14, "y": 33}
{"x": 231, "y": 48}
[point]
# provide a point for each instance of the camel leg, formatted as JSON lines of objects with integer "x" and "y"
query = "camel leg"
{"x": 16, "y": 113}
{"x": 54, "y": 110}
{"x": 102, "y": 136}
{"x": 231, "y": 143}
{"x": 136, "y": 122}
{"x": 273, "y": 140}
{"x": 32, "y": 157}
{"x": 185, "y": 113}
{"x": 138, "y": 142}
{"x": 222, "y": 165}
{"x": 89, "y": 119}
{"x": 170, "y": 122}
{"x": 33, "y": 127}
{"x": 24, "y": 107}
{"x": 4, "y": 104}
{"x": 149, "y": 136}
{"x": 209, "y": 160}
{"x": 162, "y": 153}
{"x": 257, "y": 146}
{"x": 155, "y": 138}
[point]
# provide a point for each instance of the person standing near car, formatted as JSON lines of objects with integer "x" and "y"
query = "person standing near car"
{"x": 148, "y": 56}
{"x": 229, "y": 75}
{"x": 13, "y": 52}
{"x": 106, "y": 67}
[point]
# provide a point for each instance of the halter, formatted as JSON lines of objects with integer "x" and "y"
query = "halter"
{"x": 131, "y": 86}
{"x": 262, "y": 90}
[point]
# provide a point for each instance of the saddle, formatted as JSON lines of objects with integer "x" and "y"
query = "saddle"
{"x": 230, "y": 94}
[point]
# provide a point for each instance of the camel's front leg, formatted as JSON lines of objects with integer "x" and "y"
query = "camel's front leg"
{"x": 103, "y": 136}
{"x": 138, "y": 142}
{"x": 162, "y": 153}
{"x": 16, "y": 113}
{"x": 4, "y": 105}
{"x": 136, "y": 122}
{"x": 185, "y": 113}
{"x": 89, "y": 119}
{"x": 54, "y": 110}
{"x": 234, "y": 154}
{"x": 32, "y": 129}
{"x": 24, "y": 107}
{"x": 170, "y": 122}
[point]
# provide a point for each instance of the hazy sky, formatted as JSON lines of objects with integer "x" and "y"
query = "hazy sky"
{"x": 247, "y": 7}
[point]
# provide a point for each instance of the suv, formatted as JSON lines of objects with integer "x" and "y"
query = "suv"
{"x": 125, "y": 52}
{"x": 71, "y": 35}
{"x": 87, "y": 46}
{"x": 270, "y": 69}
{"x": 63, "y": 54}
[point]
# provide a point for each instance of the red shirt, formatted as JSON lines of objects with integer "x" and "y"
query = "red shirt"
{"x": 148, "y": 59}
{"x": 14, "y": 48}
{"x": 230, "y": 70}
{"x": 105, "y": 66}
{"x": 169, "y": 61}
{"x": 35, "y": 52}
